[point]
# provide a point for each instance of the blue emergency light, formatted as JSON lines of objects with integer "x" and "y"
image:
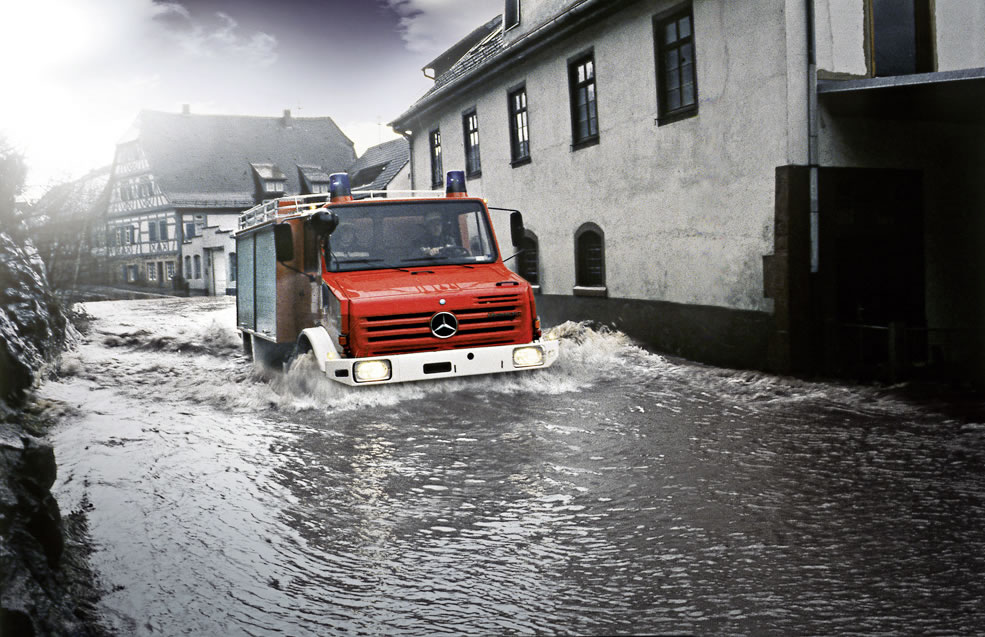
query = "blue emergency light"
{"x": 338, "y": 186}
{"x": 455, "y": 184}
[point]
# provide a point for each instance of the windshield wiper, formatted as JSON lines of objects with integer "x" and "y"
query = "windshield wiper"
{"x": 341, "y": 261}
{"x": 434, "y": 258}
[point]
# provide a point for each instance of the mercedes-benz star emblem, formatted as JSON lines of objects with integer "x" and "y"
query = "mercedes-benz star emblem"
{"x": 444, "y": 325}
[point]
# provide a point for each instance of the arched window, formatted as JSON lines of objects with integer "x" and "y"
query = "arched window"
{"x": 590, "y": 256}
{"x": 528, "y": 261}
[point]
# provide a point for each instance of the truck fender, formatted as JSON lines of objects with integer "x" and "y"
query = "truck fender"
{"x": 320, "y": 343}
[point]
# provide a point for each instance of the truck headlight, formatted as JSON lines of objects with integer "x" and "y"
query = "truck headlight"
{"x": 529, "y": 356}
{"x": 371, "y": 371}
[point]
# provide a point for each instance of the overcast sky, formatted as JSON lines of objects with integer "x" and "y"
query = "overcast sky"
{"x": 77, "y": 72}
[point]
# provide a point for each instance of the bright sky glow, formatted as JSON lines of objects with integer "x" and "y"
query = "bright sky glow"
{"x": 79, "y": 71}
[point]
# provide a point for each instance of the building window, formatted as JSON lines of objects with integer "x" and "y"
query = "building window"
{"x": 437, "y": 176}
{"x": 902, "y": 38}
{"x": 169, "y": 270}
{"x": 189, "y": 230}
{"x": 188, "y": 267}
{"x": 131, "y": 274}
{"x": 162, "y": 233}
{"x": 131, "y": 235}
{"x": 677, "y": 81}
{"x": 232, "y": 266}
{"x": 144, "y": 188}
{"x": 198, "y": 266}
{"x": 589, "y": 259}
{"x": 584, "y": 114}
{"x": 527, "y": 262}
{"x": 274, "y": 186}
{"x": 152, "y": 231}
{"x": 519, "y": 135}
{"x": 151, "y": 271}
{"x": 470, "y": 131}
{"x": 511, "y": 16}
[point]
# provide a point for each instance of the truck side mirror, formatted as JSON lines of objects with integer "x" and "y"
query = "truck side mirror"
{"x": 516, "y": 228}
{"x": 284, "y": 242}
{"x": 324, "y": 223}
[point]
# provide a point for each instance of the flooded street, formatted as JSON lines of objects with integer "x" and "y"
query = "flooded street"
{"x": 617, "y": 492}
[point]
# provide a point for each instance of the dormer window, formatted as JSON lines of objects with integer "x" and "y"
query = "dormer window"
{"x": 270, "y": 180}
{"x": 511, "y": 15}
{"x": 313, "y": 180}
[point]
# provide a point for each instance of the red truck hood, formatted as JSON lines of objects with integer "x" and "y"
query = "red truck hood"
{"x": 376, "y": 284}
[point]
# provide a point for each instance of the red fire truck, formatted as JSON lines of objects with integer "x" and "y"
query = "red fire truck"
{"x": 385, "y": 290}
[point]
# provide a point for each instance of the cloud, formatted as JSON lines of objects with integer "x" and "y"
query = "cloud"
{"x": 218, "y": 40}
{"x": 431, "y": 26}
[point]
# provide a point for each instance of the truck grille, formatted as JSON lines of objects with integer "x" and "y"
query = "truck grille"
{"x": 490, "y": 320}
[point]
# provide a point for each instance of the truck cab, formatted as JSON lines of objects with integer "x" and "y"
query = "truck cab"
{"x": 385, "y": 290}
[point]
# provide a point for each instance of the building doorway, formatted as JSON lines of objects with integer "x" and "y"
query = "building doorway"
{"x": 215, "y": 265}
{"x": 869, "y": 289}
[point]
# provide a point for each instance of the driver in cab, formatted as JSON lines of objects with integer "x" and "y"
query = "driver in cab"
{"x": 435, "y": 237}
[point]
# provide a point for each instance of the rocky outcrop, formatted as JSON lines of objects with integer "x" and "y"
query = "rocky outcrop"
{"x": 36, "y": 596}
{"x": 32, "y": 328}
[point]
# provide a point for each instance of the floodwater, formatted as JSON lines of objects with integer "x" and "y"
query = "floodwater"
{"x": 618, "y": 492}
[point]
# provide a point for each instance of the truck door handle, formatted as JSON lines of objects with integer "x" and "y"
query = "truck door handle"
{"x": 507, "y": 283}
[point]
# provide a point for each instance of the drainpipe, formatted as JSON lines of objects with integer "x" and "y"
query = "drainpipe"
{"x": 812, "y": 128}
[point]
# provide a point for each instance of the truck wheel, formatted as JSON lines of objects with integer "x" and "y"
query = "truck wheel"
{"x": 300, "y": 349}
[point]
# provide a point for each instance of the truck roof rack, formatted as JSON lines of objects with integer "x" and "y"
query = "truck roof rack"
{"x": 297, "y": 205}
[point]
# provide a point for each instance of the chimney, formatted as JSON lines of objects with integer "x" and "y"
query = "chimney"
{"x": 186, "y": 109}
{"x": 286, "y": 119}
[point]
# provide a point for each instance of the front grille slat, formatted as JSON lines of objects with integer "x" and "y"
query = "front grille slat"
{"x": 391, "y": 334}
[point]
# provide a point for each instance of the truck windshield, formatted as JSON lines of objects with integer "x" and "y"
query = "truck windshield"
{"x": 393, "y": 235}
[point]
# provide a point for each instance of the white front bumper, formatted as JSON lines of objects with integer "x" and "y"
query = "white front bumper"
{"x": 444, "y": 364}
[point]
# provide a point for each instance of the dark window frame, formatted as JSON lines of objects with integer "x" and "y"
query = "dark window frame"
{"x": 519, "y": 148}
{"x": 590, "y": 136}
{"x": 470, "y": 134}
{"x": 661, "y": 51}
{"x": 585, "y": 283}
{"x": 434, "y": 142}
{"x": 923, "y": 41}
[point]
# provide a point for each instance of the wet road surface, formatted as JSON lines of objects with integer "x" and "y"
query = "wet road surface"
{"x": 618, "y": 492}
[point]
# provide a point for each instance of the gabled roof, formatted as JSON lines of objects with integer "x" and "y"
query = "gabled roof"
{"x": 206, "y": 159}
{"x": 313, "y": 174}
{"x": 494, "y": 53}
{"x": 268, "y": 172}
{"x": 456, "y": 51}
{"x": 385, "y": 160}
{"x": 482, "y": 51}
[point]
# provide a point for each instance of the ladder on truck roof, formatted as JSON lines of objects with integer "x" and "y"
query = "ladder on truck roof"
{"x": 296, "y": 205}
